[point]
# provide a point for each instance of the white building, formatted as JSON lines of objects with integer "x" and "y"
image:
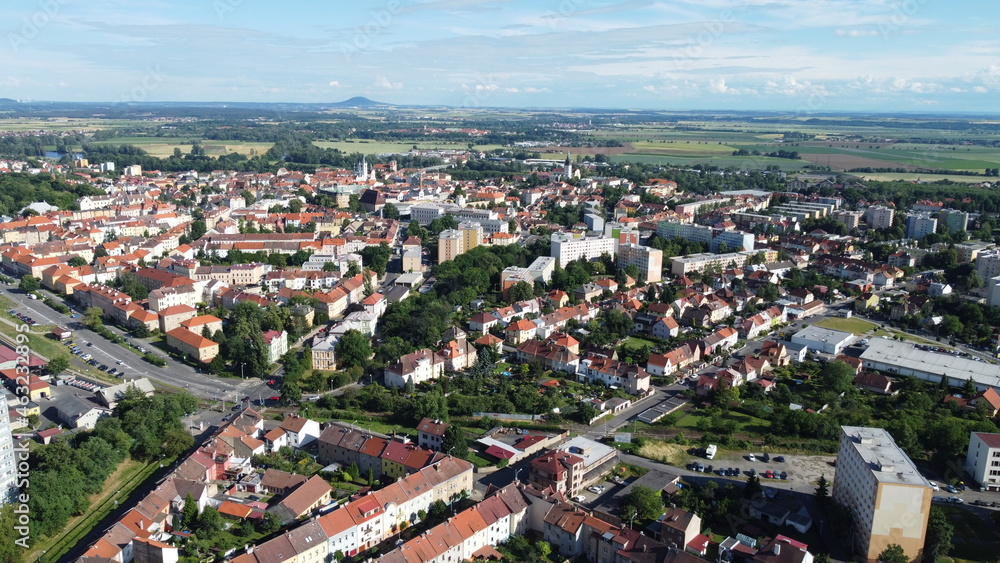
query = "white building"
{"x": 988, "y": 263}
{"x": 417, "y": 367}
{"x": 706, "y": 235}
{"x": 823, "y": 340}
{"x": 648, "y": 260}
{"x": 983, "y": 460}
{"x": 880, "y": 217}
{"x": 8, "y": 460}
{"x": 566, "y": 247}
{"x": 889, "y": 499}
{"x": 920, "y": 225}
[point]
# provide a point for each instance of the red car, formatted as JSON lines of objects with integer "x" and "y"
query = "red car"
{"x": 275, "y": 398}
{"x": 769, "y": 474}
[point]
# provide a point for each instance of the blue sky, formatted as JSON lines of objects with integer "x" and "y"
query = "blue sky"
{"x": 790, "y": 55}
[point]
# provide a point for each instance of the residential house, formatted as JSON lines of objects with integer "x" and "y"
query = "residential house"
{"x": 415, "y": 367}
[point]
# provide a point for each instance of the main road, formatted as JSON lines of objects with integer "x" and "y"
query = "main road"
{"x": 176, "y": 374}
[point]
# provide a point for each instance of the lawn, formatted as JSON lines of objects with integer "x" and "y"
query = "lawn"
{"x": 975, "y": 537}
{"x": 890, "y": 333}
{"x": 856, "y": 326}
{"x": 744, "y": 422}
{"x": 638, "y": 343}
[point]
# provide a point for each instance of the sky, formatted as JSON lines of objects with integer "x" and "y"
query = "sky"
{"x": 807, "y": 56}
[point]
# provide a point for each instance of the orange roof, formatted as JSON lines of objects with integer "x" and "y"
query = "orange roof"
{"x": 190, "y": 338}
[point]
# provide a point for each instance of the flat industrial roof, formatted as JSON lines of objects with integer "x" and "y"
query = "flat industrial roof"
{"x": 819, "y": 334}
{"x": 906, "y": 355}
{"x": 885, "y": 459}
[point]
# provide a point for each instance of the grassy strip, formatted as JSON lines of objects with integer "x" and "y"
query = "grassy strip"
{"x": 75, "y": 532}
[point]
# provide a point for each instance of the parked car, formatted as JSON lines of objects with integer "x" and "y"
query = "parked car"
{"x": 579, "y": 498}
{"x": 934, "y": 486}
{"x": 955, "y": 500}
{"x": 980, "y": 502}
{"x": 779, "y": 459}
{"x": 784, "y": 475}
{"x": 951, "y": 489}
{"x": 751, "y": 457}
{"x": 768, "y": 474}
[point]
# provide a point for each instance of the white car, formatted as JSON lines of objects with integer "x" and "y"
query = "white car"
{"x": 751, "y": 457}
{"x": 579, "y": 498}
{"x": 934, "y": 486}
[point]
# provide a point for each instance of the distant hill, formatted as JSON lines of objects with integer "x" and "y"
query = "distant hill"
{"x": 359, "y": 102}
{"x": 8, "y": 101}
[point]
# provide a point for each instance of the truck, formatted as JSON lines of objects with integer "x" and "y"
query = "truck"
{"x": 710, "y": 451}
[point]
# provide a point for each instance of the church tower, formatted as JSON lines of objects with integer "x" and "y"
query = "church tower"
{"x": 568, "y": 168}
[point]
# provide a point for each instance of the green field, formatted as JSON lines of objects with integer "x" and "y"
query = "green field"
{"x": 744, "y": 422}
{"x": 856, "y": 326}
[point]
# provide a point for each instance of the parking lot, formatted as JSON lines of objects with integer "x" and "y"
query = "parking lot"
{"x": 767, "y": 466}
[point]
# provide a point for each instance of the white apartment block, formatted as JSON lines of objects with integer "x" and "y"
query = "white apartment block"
{"x": 850, "y": 219}
{"x": 424, "y": 213}
{"x": 648, "y": 260}
{"x": 8, "y": 461}
{"x": 988, "y": 264}
{"x": 889, "y": 499}
{"x": 920, "y": 225}
{"x": 683, "y": 265}
{"x": 983, "y": 460}
{"x": 706, "y": 235}
{"x": 879, "y": 216}
{"x": 566, "y": 247}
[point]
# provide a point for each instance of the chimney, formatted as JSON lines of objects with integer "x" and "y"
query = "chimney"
{"x": 777, "y": 549}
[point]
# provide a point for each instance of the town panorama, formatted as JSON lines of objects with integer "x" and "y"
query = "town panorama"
{"x": 372, "y": 332}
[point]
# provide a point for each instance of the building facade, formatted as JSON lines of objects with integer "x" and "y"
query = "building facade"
{"x": 889, "y": 499}
{"x": 983, "y": 460}
{"x": 648, "y": 260}
{"x": 8, "y": 461}
{"x": 565, "y": 247}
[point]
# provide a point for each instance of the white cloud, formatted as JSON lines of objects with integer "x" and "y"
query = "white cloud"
{"x": 979, "y": 89}
{"x": 334, "y": 83}
{"x": 717, "y": 86}
{"x": 649, "y": 88}
{"x": 856, "y": 33}
{"x": 383, "y": 82}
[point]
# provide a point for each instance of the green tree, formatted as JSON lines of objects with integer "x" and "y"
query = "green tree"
{"x": 520, "y": 291}
{"x": 822, "y": 491}
{"x": 937, "y": 541}
{"x": 28, "y": 283}
{"x": 752, "y": 489}
{"x": 390, "y": 211}
{"x": 189, "y": 514}
{"x": 198, "y": 229}
{"x": 893, "y": 554}
{"x": 353, "y": 349}
{"x": 57, "y": 365}
{"x": 92, "y": 317}
{"x": 837, "y": 376}
{"x": 77, "y": 261}
{"x": 648, "y": 503}
{"x": 454, "y": 442}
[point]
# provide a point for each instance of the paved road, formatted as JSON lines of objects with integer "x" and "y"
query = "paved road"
{"x": 177, "y": 374}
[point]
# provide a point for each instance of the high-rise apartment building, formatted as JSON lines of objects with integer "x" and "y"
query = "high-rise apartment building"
{"x": 878, "y": 483}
